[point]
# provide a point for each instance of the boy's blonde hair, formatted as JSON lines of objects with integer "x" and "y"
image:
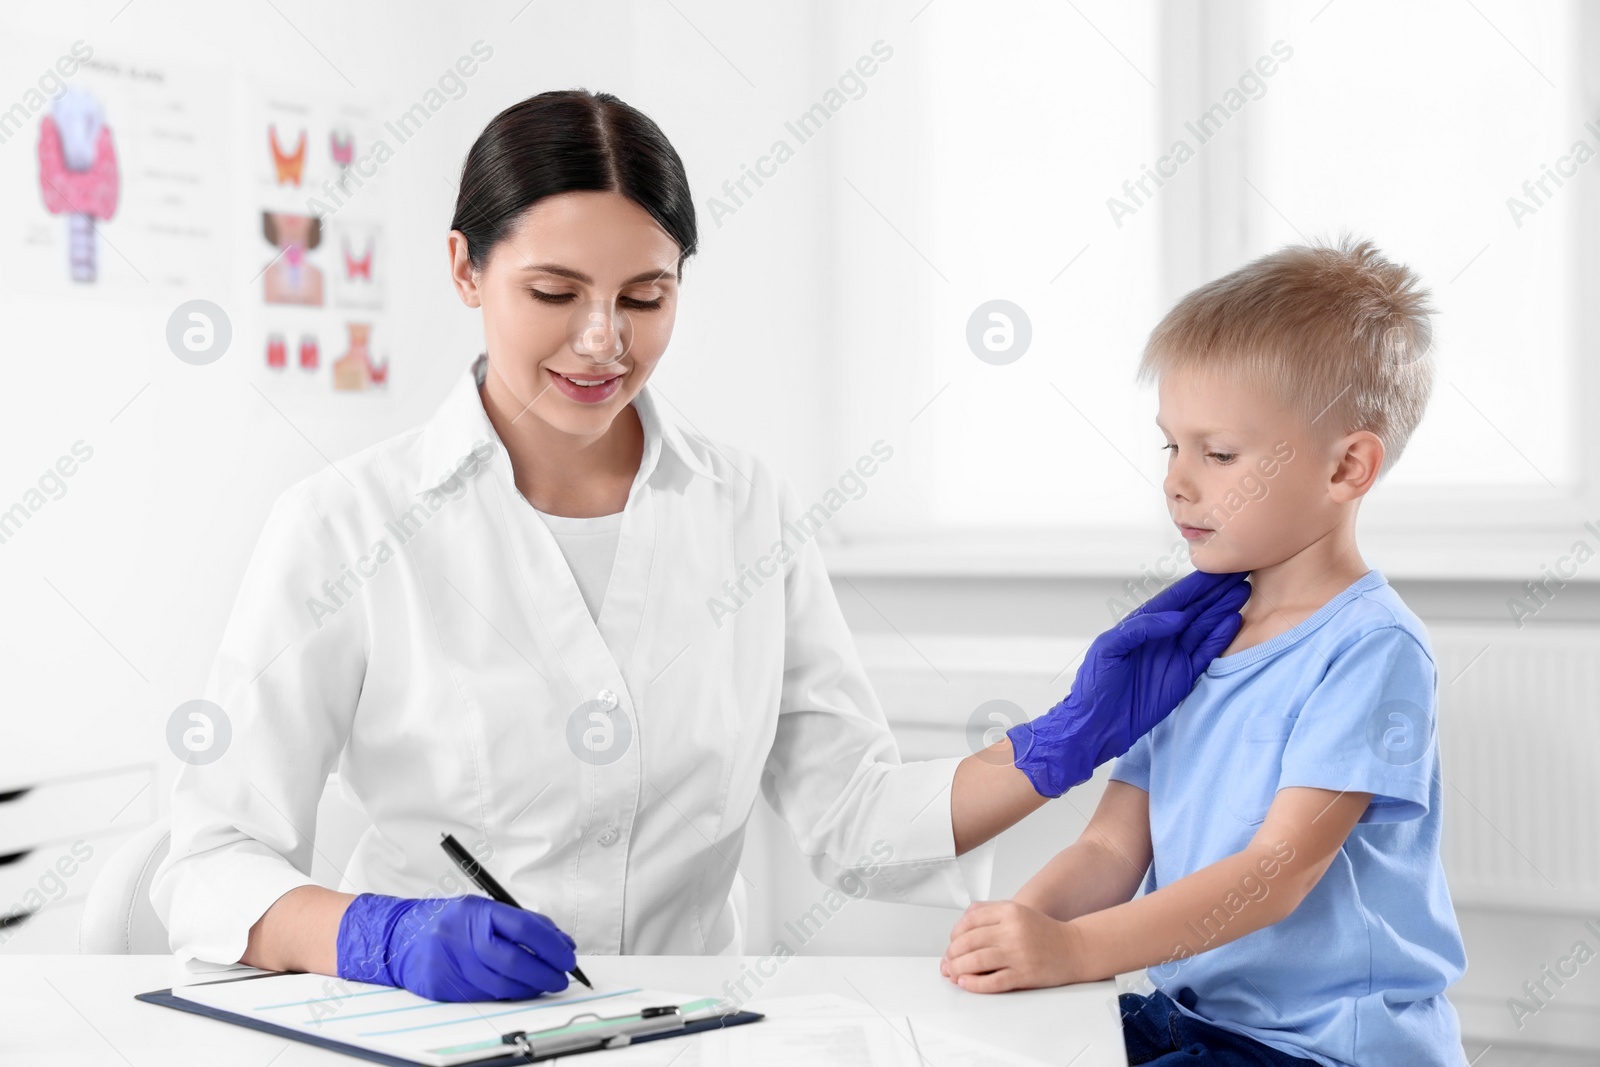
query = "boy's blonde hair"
{"x": 1339, "y": 333}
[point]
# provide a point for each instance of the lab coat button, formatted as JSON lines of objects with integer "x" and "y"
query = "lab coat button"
{"x": 607, "y": 698}
{"x": 608, "y": 836}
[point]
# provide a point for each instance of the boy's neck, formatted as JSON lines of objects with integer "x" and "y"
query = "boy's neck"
{"x": 1285, "y": 594}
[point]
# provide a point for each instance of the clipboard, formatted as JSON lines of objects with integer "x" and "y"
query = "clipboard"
{"x": 582, "y": 1031}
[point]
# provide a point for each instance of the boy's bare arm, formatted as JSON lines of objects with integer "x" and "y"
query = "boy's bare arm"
{"x": 1104, "y": 866}
{"x": 1006, "y": 945}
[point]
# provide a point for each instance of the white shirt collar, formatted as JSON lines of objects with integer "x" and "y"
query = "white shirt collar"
{"x": 460, "y": 426}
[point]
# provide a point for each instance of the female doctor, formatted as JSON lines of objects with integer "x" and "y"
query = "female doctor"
{"x": 500, "y": 625}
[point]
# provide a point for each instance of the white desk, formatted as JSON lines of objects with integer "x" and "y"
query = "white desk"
{"x": 80, "y": 1009}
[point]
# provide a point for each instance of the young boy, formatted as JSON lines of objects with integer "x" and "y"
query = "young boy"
{"x": 1287, "y": 813}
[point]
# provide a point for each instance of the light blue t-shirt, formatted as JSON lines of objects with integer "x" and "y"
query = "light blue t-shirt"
{"x": 1355, "y": 976}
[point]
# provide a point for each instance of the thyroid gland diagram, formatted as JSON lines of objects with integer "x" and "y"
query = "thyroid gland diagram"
{"x": 343, "y": 149}
{"x": 355, "y": 370}
{"x": 288, "y": 165}
{"x": 78, "y": 173}
{"x": 291, "y": 279}
{"x": 357, "y": 268}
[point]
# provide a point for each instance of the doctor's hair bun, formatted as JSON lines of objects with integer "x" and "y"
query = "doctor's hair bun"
{"x": 564, "y": 141}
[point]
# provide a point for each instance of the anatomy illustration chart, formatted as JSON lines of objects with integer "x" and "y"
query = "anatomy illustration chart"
{"x": 130, "y": 178}
{"x": 321, "y": 254}
{"x": 114, "y": 173}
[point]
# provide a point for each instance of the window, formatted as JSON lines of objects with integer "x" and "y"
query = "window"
{"x": 1022, "y": 166}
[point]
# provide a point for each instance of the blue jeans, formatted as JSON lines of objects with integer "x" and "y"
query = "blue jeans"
{"x": 1158, "y": 1034}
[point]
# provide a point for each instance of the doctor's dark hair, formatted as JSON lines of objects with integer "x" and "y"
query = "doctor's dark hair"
{"x": 566, "y": 141}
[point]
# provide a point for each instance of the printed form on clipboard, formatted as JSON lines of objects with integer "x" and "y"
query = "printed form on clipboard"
{"x": 398, "y": 1023}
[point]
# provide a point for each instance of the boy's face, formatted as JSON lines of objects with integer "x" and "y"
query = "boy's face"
{"x": 1246, "y": 480}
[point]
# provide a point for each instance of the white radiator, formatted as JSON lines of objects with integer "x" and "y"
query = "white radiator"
{"x": 1519, "y": 734}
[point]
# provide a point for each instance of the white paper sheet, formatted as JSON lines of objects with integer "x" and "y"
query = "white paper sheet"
{"x": 822, "y": 1028}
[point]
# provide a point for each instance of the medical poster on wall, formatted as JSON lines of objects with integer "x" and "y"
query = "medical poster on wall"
{"x": 320, "y": 259}
{"x": 114, "y": 173}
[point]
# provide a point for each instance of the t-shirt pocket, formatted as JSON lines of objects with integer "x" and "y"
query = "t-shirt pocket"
{"x": 1253, "y": 783}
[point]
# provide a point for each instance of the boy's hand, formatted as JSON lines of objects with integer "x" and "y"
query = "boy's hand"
{"x": 1000, "y": 945}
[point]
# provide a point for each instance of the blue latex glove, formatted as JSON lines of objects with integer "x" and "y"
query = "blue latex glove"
{"x": 1131, "y": 678}
{"x": 453, "y": 948}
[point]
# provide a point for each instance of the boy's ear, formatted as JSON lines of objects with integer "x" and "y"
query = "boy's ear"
{"x": 1357, "y": 466}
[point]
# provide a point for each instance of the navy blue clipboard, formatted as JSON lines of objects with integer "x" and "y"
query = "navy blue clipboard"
{"x": 166, "y": 999}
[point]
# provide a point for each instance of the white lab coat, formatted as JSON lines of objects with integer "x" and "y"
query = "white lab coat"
{"x": 407, "y": 615}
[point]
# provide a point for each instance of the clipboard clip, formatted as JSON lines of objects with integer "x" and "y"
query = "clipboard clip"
{"x": 647, "y": 1022}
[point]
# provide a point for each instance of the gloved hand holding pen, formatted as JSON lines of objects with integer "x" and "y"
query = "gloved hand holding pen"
{"x": 453, "y": 948}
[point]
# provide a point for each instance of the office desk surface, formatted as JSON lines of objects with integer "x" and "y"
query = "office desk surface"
{"x": 72, "y": 1010}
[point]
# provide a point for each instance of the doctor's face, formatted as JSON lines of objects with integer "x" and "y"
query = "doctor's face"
{"x": 578, "y": 304}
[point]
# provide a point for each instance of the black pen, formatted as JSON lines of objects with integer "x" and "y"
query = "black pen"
{"x": 474, "y": 870}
